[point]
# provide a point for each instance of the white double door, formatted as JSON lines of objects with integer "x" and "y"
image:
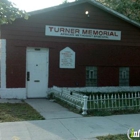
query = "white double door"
{"x": 37, "y": 72}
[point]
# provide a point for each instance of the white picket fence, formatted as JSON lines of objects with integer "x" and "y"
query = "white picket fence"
{"x": 104, "y": 101}
{"x": 68, "y": 96}
{"x": 115, "y": 101}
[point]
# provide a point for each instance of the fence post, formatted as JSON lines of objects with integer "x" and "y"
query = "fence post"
{"x": 85, "y": 98}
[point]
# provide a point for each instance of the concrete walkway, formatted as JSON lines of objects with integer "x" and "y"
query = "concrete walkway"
{"x": 51, "y": 110}
{"x": 72, "y": 127}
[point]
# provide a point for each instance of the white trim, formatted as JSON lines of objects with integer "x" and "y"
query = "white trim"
{"x": 13, "y": 93}
{"x": 113, "y": 12}
{"x": 3, "y": 62}
{"x": 94, "y": 3}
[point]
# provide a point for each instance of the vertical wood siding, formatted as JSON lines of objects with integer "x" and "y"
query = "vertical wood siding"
{"x": 107, "y": 55}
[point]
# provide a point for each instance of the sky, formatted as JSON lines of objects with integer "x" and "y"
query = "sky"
{"x": 32, "y": 5}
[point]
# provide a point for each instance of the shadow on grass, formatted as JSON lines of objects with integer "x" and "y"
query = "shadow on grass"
{"x": 112, "y": 112}
{"x": 10, "y": 112}
{"x": 116, "y": 137}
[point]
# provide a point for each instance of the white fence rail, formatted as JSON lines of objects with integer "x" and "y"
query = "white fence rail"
{"x": 116, "y": 101}
{"x": 100, "y": 101}
{"x": 68, "y": 96}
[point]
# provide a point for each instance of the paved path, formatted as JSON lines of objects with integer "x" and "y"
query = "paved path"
{"x": 51, "y": 110}
{"x": 73, "y": 127}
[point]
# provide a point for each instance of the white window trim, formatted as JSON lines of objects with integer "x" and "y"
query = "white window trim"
{"x": 123, "y": 75}
{"x": 3, "y": 62}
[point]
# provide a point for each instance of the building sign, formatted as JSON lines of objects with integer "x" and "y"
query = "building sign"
{"x": 74, "y": 32}
{"x": 67, "y": 58}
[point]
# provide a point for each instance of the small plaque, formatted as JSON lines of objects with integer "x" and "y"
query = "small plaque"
{"x": 67, "y": 58}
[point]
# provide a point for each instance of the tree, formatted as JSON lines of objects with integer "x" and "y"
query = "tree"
{"x": 65, "y": 1}
{"x": 9, "y": 12}
{"x": 129, "y": 8}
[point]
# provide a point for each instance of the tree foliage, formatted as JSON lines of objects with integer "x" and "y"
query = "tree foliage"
{"x": 129, "y": 8}
{"x": 65, "y": 1}
{"x": 9, "y": 12}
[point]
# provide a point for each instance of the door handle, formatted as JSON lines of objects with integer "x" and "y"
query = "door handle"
{"x": 36, "y": 80}
{"x": 28, "y": 76}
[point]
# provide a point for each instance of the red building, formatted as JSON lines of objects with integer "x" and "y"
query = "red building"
{"x": 79, "y": 44}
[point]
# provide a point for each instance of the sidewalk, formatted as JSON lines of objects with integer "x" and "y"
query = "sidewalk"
{"x": 72, "y": 127}
{"x": 51, "y": 110}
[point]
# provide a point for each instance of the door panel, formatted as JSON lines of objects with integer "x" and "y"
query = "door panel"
{"x": 37, "y": 72}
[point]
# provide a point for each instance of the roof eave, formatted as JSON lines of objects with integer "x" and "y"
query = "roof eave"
{"x": 57, "y": 7}
{"x": 117, "y": 14}
{"x": 93, "y": 2}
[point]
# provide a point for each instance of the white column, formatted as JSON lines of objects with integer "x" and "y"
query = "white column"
{"x": 3, "y": 62}
{"x": 85, "y": 98}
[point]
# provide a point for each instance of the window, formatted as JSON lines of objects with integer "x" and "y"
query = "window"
{"x": 124, "y": 76}
{"x": 91, "y": 76}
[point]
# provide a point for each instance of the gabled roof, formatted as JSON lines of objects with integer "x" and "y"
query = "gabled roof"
{"x": 94, "y": 3}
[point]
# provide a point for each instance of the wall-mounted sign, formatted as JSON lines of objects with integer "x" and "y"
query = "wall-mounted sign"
{"x": 67, "y": 58}
{"x": 61, "y": 31}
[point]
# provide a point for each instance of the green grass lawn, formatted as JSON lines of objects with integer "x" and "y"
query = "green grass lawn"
{"x": 116, "y": 137}
{"x": 100, "y": 112}
{"x": 11, "y": 112}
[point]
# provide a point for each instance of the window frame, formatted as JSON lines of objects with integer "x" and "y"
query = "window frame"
{"x": 91, "y": 78}
{"x": 124, "y": 76}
